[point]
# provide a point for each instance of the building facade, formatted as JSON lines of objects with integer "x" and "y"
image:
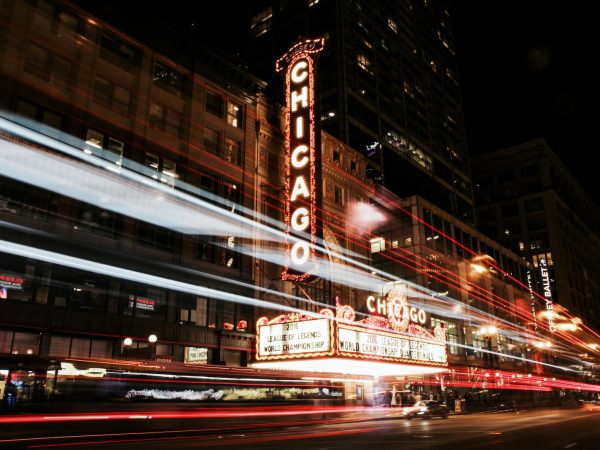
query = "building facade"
{"x": 135, "y": 237}
{"x": 389, "y": 88}
{"x": 459, "y": 267}
{"x": 128, "y": 111}
{"x": 530, "y": 202}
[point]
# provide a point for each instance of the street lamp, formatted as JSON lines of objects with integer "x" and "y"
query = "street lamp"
{"x": 487, "y": 333}
{"x": 127, "y": 341}
{"x": 152, "y": 339}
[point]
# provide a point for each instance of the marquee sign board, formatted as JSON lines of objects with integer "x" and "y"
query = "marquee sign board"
{"x": 304, "y": 336}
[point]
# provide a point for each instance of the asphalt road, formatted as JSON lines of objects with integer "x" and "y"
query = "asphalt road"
{"x": 534, "y": 429}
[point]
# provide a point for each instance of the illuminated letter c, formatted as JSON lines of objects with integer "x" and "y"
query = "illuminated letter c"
{"x": 297, "y": 161}
{"x": 299, "y": 72}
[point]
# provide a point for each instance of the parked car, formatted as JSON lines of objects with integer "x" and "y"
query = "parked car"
{"x": 427, "y": 409}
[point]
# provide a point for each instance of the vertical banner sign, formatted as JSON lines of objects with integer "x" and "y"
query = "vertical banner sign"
{"x": 547, "y": 294}
{"x": 532, "y": 300}
{"x": 302, "y": 156}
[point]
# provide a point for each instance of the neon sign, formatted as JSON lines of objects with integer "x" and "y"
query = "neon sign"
{"x": 547, "y": 294}
{"x": 532, "y": 300}
{"x": 302, "y": 149}
{"x": 395, "y": 307}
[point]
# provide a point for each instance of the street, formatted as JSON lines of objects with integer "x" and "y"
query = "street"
{"x": 577, "y": 429}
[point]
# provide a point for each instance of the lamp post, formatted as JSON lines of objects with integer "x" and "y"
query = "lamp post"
{"x": 487, "y": 333}
{"x": 152, "y": 340}
{"x": 131, "y": 350}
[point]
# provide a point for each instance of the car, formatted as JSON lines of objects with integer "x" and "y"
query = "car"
{"x": 427, "y": 409}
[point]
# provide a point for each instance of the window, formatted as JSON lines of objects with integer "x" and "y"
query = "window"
{"x": 478, "y": 344}
{"x": 161, "y": 168}
{"x": 377, "y": 245}
{"x": 48, "y": 66}
{"x": 234, "y": 115}
{"x": 502, "y": 348}
{"x": 364, "y": 63}
{"x": 97, "y": 220}
{"x": 530, "y": 170}
{"x": 26, "y": 343}
{"x": 534, "y": 205}
{"x": 104, "y": 146}
{"x": 206, "y": 250}
{"x": 536, "y": 223}
{"x": 232, "y": 151}
{"x": 211, "y": 141}
{"x": 164, "y": 119}
{"x": 168, "y": 79}
{"x": 152, "y": 163}
{"x": 353, "y": 166}
{"x": 336, "y": 156}
{"x": 39, "y": 118}
{"x": 542, "y": 256}
{"x": 117, "y": 52}
{"x": 261, "y": 23}
{"x": 112, "y": 95}
{"x": 214, "y": 103}
{"x": 60, "y": 346}
{"x": 338, "y": 195}
{"x": 392, "y": 24}
{"x": 512, "y": 228}
{"x": 80, "y": 347}
{"x": 49, "y": 18}
{"x": 420, "y": 158}
{"x": 451, "y": 334}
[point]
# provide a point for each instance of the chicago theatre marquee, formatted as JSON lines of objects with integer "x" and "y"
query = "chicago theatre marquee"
{"x": 390, "y": 344}
{"x": 392, "y": 341}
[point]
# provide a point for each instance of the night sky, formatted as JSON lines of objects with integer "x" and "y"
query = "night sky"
{"x": 525, "y": 70}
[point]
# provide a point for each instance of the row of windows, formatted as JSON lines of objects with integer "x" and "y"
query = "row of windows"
{"x": 58, "y": 71}
{"x": 77, "y": 290}
{"x": 511, "y": 210}
{"x": 40, "y": 205}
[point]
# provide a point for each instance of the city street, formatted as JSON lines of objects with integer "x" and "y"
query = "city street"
{"x": 524, "y": 429}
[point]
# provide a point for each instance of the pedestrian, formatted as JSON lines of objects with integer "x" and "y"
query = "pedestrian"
{"x": 10, "y": 394}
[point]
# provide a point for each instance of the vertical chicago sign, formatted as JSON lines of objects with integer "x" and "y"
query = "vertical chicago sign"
{"x": 302, "y": 159}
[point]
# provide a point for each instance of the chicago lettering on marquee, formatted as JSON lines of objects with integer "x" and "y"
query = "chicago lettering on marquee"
{"x": 302, "y": 150}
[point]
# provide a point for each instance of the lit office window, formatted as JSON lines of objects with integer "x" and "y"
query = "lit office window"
{"x": 377, "y": 245}
{"x": 234, "y": 115}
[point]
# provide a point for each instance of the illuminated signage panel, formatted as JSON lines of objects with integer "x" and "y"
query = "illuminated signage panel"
{"x": 146, "y": 304}
{"x": 356, "y": 342}
{"x": 532, "y": 300}
{"x": 9, "y": 282}
{"x": 196, "y": 355}
{"x": 302, "y": 150}
{"x": 293, "y": 339}
{"x": 547, "y": 294}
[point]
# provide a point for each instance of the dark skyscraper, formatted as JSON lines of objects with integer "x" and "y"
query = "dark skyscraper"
{"x": 388, "y": 87}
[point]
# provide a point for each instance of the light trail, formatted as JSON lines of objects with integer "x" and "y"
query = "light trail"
{"x": 190, "y": 215}
{"x": 211, "y": 413}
